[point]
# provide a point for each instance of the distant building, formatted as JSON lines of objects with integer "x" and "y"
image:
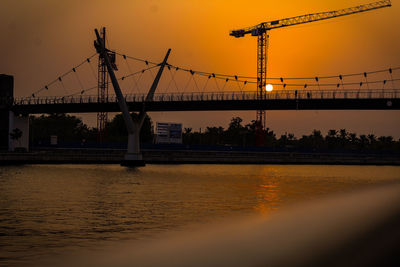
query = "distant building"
{"x": 6, "y": 94}
{"x": 169, "y": 133}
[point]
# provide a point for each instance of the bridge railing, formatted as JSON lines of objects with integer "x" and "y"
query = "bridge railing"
{"x": 219, "y": 96}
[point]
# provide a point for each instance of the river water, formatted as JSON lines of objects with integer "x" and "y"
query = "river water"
{"x": 46, "y": 210}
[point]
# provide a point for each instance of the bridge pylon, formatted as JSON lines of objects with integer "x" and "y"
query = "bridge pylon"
{"x": 133, "y": 157}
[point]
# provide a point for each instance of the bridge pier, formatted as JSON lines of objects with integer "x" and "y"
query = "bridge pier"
{"x": 133, "y": 157}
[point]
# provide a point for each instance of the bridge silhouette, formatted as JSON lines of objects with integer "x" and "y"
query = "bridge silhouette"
{"x": 185, "y": 89}
{"x": 203, "y": 101}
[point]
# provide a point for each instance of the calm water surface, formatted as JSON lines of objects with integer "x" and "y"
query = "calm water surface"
{"x": 46, "y": 210}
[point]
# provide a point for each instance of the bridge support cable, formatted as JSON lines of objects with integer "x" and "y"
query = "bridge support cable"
{"x": 391, "y": 77}
{"x": 195, "y": 83}
{"x": 366, "y": 79}
{"x": 79, "y": 80}
{"x": 188, "y": 82}
{"x": 56, "y": 80}
{"x": 205, "y": 84}
{"x": 172, "y": 81}
{"x": 225, "y": 83}
{"x": 242, "y": 78}
{"x": 85, "y": 90}
{"x": 134, "y": 82}
{"x": 92, "y": 70}
{"x": 62, "y": 85}
{"x": 285, "y": 87}
{"x": 139, "y": 81}
{"x": 321, "y": 82}
{"x": 216, "y": 82}
{"x": 250, "y": 80}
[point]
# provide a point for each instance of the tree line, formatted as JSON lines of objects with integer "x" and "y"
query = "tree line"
{"x": 70, "y": 128}
{"x": 238, "y": 134}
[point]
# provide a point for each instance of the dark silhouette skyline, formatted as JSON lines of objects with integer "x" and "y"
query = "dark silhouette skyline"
{"x": 70, "y": 130}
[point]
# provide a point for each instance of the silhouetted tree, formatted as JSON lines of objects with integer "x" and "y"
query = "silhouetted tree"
{"x": 240, "y": 135}
{"x": 66, "y": 127}
{"x": 269, "y": 138}
{"x": 235, "y": 132}
{"x": 214, "y": 135}
{"x": 116, "y": 129}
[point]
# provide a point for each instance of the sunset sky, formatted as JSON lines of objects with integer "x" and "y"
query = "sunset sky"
{"x": 42, "y": 39}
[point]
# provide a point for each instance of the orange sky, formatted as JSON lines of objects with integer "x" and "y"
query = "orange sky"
{"x": 43, "y": 38}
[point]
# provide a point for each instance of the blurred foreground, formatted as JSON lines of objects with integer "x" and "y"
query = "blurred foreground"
{"x": 354, "y": 229}
{"x": 50, "y": 211}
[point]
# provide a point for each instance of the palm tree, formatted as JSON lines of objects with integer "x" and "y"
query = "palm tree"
{"x": 353, "y": 140}
{"x": 372, "y": 138}
{"x": 331, "y": 139}
{"x": 16, "y": 135}
{"x": 332, "y": 133}
{"x": 188, "y": 130}
{"x": 317, "y": 139}
{"x": 343, "y": 134}
{"x": 353, "y": 137}
{"x": 364, "y": 142}
{"x": 317, "y": 134}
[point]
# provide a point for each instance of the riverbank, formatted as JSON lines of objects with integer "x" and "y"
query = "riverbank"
{"x": 96, "y": 156}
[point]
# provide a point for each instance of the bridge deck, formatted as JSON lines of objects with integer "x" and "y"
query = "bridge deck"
{"x": 278, "y": 100}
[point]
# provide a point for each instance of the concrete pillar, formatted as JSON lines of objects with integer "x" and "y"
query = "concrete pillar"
{"x": 20, "y": 123}
{"x": 134, "y": 146}
{"x": 6, "y": 97}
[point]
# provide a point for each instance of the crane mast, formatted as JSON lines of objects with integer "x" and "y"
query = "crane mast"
{"x": 102, "y": 89}
{"x": 262, "y": 49}
{"x": 261, "y": 32}
{"x": 102, "y": 93}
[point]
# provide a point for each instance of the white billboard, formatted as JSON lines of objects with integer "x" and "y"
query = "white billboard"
{"x": 169, "y": 133}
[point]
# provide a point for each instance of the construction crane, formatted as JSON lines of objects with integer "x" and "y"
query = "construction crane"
{"x": 102, "y": 88}
{"x": 261, "y": 32}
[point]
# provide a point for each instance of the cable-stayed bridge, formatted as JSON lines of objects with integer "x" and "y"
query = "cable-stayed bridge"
{"x": 185, "y": 89}
{"x": 143, "y": 86}
{"x": 203, "y": 101}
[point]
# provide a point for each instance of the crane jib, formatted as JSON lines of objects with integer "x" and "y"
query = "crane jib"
{"x": 309, "y": 18}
